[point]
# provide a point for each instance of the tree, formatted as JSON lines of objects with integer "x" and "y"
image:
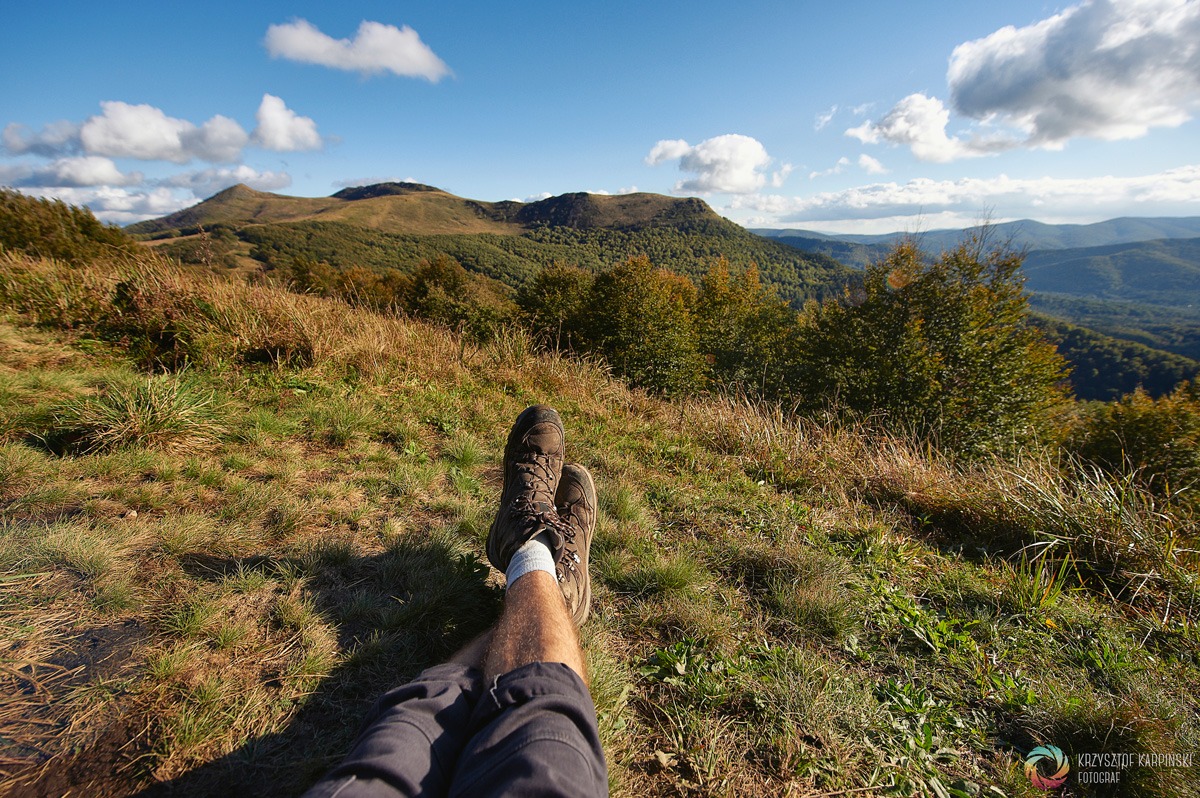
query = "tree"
{"x": 1157, "y": 439}
{"x": 640, "y": 321}
{"x": 554, "y": 304}
{"x": 939, "y": 348}
{"x": 744, "y": 330}
{"x": 52, "y": 229}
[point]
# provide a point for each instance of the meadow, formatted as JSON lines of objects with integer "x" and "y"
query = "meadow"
{"x": 232, "y": 515}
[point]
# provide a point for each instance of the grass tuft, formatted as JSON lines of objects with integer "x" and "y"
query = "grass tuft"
{"x": 163, "y": 412}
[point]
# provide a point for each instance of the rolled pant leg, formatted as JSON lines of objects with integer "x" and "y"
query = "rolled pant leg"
{"x": 533, "y": 734}
{"x": 411, "y": 739}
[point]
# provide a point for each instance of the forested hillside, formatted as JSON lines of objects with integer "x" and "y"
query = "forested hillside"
{"x": 1175, "y": 330}
{"x": 1163, "y": 273}
{"x": 1027, "y": 234}
{"x": 1106, "y": 368}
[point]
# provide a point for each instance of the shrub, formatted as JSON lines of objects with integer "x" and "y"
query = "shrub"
{"x": 554, "y": 304}
{"x": 640, "y": 320}
{"x": 940, "y": 348}
{"x": 745, "y": 332}
{"x": 439, "y": 290}
{"x": 52, "y": 229}
{"x": 1156, "y": 439}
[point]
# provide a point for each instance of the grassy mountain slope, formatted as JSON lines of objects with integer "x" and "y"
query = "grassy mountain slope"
{"x": 414, "y": 208}
{"x": 207, "y": 577}
{"x": 408, "y": 208}
{"x": 397, "y": 225}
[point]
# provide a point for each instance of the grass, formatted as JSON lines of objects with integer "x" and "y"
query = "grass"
{"x": 160, "y": 412}
{"x": 256, "y": 546}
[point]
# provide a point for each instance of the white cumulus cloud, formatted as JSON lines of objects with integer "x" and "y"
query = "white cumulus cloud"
{"x": 57, "y": 138}
{"x": 1104, "y": 69}
{"x": 206, "y": 182}
{"x": 375, "y": 48}
{"x": 87, "y": 170}
{"x": 1172, "y": 192}
{"x": 1107, "y": 69}
{"x": 146, "y": 133}
{"x": 117, "y": 205}
{"x": 732, "y": 163}
{"x": 135, "y": 131}
{"x": 919, "y": 122}
{"x": 282, "y": 129}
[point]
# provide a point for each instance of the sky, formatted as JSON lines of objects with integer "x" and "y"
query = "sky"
{"x": 862, "y": 117}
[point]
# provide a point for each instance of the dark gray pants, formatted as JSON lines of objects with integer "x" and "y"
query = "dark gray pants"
{"x": 533, "y": 733}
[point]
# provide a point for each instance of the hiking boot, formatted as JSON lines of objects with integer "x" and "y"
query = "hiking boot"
{"x": 576, "y": 504}
{"x": 533, "y": 460}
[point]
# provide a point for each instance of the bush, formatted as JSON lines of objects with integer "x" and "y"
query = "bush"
{"x": 554, "y": 304}
{"x": 440, "y": 290}
{"x": 52, "y": 229}
{"x": 942, "y": 349}
{"x": 745, "y": 332}
{"x": 659, "y": 332}
{"x": 1156, "y": 439}
{"x": 639, "y": 318}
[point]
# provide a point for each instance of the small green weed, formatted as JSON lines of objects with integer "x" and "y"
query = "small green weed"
{"x": 464, "y": 453}
{"x": 191, "y": 618}
{"x": 707, "y": 677}
{"x": 1037, "y": 584}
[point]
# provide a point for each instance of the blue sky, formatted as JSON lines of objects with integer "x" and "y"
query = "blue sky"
{"x": 857, "y": 116}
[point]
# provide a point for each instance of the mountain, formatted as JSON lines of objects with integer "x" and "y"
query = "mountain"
{"x": 1105, "y": 367}
{"x": 849, "y": 253}
{"x": 1163, "y": 272}
{"x": 416, "y": 209}
{"x": 397, "y": 225}
{"x": 1024, "y": 234}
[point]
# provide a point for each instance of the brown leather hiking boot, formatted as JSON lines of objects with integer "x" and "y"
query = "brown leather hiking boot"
{"x": 576, "y": 504}
{"x": 533, "y": 460}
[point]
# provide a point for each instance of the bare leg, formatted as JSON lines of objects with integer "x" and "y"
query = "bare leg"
{"x": 535, "y": 627}
{"x": 474, "y": 652}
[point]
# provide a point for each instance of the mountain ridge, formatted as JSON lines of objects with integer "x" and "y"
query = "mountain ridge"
{"x": 398, "y": 225}
{"x": 1023, "y": 233}
{"x": 416, "y": 208}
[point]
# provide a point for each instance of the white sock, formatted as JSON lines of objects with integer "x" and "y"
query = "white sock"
{"x": 535, "y": 555}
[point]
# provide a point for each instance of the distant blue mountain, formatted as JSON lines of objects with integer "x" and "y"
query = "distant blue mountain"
{"x": 1165, "y": 272}
{"x": 1025, "y": 234}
